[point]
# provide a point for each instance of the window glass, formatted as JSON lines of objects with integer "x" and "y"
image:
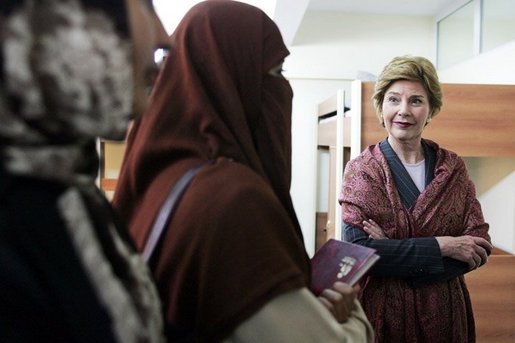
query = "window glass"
{"x": 498, "y": 23}
{"x": 456, "y": 36}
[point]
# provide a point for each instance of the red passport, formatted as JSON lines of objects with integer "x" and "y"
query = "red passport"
{"x": 340, "y": 261}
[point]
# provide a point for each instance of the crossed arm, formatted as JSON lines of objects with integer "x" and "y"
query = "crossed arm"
{"x": 421, "y": 260}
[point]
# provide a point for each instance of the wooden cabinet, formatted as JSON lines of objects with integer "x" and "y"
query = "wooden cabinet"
{"x": 111, "y": 157}
{"x": 492, "y": 292}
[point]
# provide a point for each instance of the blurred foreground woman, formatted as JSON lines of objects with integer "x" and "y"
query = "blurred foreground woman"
{"x": 71, "y": 71}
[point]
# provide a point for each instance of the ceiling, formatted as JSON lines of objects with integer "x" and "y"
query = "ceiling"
{"x": 398, "y": 7}
{"x": 289, "y": 13}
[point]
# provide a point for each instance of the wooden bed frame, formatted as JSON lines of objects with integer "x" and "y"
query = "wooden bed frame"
{"x": 492, "y": 292}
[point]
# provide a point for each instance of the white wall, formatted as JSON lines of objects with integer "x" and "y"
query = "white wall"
{"x": 498, "y": 205}
{"x": 496, "y": 66}
{"x": 307, "y": 95}
{"x": 331, "y": 45}
{"x": 495, "y": 184}
{"x": 328, "y": 51}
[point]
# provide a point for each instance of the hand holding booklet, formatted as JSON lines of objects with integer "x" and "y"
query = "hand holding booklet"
{"x": 340, "y": 261}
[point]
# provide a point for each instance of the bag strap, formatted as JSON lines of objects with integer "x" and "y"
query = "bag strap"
{"x": 166, "y": 211}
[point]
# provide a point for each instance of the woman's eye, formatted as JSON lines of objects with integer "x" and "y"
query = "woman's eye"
{"x": 416, "y": 101}
{"x": 391, "y": 99}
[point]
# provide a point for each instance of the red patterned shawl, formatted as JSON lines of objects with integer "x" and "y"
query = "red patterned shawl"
{"x": 448, "y": 206}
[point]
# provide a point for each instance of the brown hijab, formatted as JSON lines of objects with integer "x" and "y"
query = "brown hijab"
{"x": 214, "y": 98}
{"x": 215, "y": 101}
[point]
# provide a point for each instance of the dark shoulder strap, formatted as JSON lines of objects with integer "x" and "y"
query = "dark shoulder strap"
{"x": 166, "y": 211}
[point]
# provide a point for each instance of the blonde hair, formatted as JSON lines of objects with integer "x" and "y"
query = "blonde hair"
{"x": 412, "y": 68}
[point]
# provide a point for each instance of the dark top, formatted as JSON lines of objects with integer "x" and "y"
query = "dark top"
{"x": 45, "y": 295}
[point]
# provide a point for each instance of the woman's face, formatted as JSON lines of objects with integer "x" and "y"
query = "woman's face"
{"x": 406, "y": 110}
{"x": 148, "y": 35}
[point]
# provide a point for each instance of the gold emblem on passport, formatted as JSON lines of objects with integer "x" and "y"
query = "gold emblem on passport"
{"x": 346, "y": 265}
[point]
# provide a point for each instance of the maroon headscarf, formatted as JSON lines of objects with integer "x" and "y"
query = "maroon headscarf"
{"x": 215, "y": 101}
{"x": 214, "y": 98}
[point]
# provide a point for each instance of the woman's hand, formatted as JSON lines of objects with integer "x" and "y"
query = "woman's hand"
{"x": 374, "y": 231}
{"x": 339, "y": 300}
{"x": 469, "y": 249}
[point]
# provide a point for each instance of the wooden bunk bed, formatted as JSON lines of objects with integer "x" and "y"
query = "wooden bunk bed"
{"x": 475, "y": 121}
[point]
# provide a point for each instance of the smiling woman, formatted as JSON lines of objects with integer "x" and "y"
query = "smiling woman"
{"x": 414, "y": 202}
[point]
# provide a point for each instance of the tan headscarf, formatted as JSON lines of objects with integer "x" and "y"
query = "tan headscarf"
{"x": 66, "y": 79}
